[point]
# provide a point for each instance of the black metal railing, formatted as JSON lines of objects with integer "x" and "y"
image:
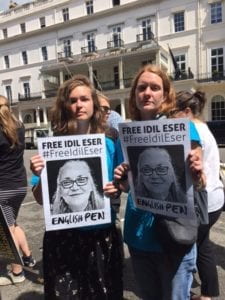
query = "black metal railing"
{"x": 212, "y": 76}
{"x": 65, "y": 54}
{"x": 116, "y": 43}
{"x": 50, "y": 93}
{"x": 29, "y": 96}
{"x": 144, "y": 37}
{"x": 88, "y": 49}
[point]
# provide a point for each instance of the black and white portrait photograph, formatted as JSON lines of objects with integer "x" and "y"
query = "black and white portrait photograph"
{"x": 159, "y": 172}
{"x": 72, "y": 187}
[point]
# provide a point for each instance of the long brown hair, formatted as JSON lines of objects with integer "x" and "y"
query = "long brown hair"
{"x": 62, "y": 116}
{"x": 8, "y": 122}
{"x": 169, "y": 92}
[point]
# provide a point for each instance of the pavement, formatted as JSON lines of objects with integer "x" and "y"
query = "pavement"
{"x": 32, "y": 220}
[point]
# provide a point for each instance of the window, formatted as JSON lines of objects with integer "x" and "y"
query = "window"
{"x": 146, "y": 29}
{"x": 42, "y": 22}
{"x": 116, "y": 77}
{"x": 27, "y": 119}
{"x": 23, "y": 27}
{"x": 179, "y": 21}
{"x": 5, "y": 33}
{"x": 26, "y": 90}
{"x": 91, "y": 42}
{"x": 65, "y": 13}
{"x": 67, "y": 48}
{"x": 116, "y": 36}
{"x": 217, "y": 62}
{"x": 115, "y": 2}
{"x": 24, "y": 57}
{"x": 6, "y": 59}
{"x": 89, "y": 7}
{"x": 181, "y": 62}
{"x": 218, "y": 108}
{"x": 44, "y": 53}
{"x": 8, "y": 90}
{"x": 216, "y": 12}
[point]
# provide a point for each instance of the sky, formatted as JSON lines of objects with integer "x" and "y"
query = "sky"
{"x": 4, "y": 4}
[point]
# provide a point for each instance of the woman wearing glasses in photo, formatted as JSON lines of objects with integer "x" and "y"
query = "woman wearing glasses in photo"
{"x": 156, "y": 177}
{"x": 76, "y": 190}
{"x": 81, "y": 263}
{"x": 159, "y": 276}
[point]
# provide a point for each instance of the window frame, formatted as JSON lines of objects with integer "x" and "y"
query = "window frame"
{"x": 65, "y": 14}
{"x": 8, "y": 91}
{"x": 216, "y": 12}
{"x": 42, "y": 22}
{"x": 179, "y": 24}
{"x": 6, "y": 61}
{"x": 89, "y": 7}
{"x": 24, "y": 57}
{"x": 44, "y": 53}
{"x": 218, "y": 111}
{"x": 5, "y": 33}
{"x": 23, "y": 28}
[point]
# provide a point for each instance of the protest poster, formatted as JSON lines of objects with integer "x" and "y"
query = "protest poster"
{"x": 159, "y": 178}
{"x": 8, "y": 249}
{"x": 73, "y": 180}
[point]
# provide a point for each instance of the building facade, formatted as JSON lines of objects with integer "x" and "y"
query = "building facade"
{"x": 45, "y": 42}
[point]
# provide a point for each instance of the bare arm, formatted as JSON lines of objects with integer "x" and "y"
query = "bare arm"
{"x": 36, "y": 165}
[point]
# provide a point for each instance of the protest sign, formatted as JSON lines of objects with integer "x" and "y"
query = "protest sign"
{"x": 73, "y": 180}
{"x": 157, "y": 154}
{"x": 8, "y": 249}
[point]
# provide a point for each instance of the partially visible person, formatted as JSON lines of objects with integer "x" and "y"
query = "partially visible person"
{"x": 13, "y": 185}
{"x": 156, "y": 176}
{"x": 76, "y": 190}
{"x": 86, "y": 261}
{"x": 159, "y": 276}
{"x": 190, "y": 105}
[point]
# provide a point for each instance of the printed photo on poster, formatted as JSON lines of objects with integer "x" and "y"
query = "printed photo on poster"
{"x": 156, "y": 152}
{"x": 73, "y": 180}
{"x": 75, "y": 185}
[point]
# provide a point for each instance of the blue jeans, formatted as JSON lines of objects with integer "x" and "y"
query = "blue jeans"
{"x": 162, "y": 277}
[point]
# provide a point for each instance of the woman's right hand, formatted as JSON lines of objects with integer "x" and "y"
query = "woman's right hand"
{"x": 121, "y": 176}
{"x": 37, "y": 164}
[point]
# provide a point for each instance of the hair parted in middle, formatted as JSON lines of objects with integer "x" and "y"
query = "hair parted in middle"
{"x": 62, "y": 117}
{"x": 169, "y": 92}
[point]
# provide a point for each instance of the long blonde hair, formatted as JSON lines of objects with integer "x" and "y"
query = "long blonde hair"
{"x": 8, "y": 122}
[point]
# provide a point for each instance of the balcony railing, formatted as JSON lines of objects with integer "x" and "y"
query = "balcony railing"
{"x": 145, "y": 37}
{"x": 29, "y": 96}
{"x": 65, "y": 55}
{"x": 114, "y": 85}
{"x": 50, "y": 93}
{"x": 115, "y": 44}
{"x": 89, "y": 49}
{"x": 212, "y": 76}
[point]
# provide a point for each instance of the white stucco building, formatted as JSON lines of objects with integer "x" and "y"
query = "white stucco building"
{"x": 44, "y": 42}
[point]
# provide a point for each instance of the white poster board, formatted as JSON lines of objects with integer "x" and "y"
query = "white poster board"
{"x": 73, "y": 180}
{"x": 159, "y": 178}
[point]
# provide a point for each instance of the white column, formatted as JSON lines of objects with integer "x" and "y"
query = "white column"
{"x": 42, "y": 88}
{"x": 121, "y": 73}
{"x": 123, "y": 109}
{"x": 61, "y": 77}
{"x": 20, "y": 115}
{"x": 45, "y": 116}
{"x": 38, "y": 123}
{"x": 90, "y": 70}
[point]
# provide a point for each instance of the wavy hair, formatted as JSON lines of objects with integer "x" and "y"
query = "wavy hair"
{"x": 8, "y": 122}
{"x": 62, "y": 117}
{"x": 176, "y": 194}
{"x": 95, "y": 200}
{"x": 169, "y": 92}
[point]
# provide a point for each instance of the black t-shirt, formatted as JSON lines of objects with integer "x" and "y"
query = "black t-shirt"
{"x": 12, "y": 170}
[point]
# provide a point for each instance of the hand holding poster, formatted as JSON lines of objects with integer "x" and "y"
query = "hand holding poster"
{"x": 156, "y": 152}
{"x": 73, "y": 180}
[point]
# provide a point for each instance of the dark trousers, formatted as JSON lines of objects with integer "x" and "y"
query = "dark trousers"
{"x": 206, "y": 260}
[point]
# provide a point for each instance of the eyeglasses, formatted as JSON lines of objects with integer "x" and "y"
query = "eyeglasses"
{"x": 68, "y": 183}
{"x": 105, "y": 109}
{"x": 160, "y": 170}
